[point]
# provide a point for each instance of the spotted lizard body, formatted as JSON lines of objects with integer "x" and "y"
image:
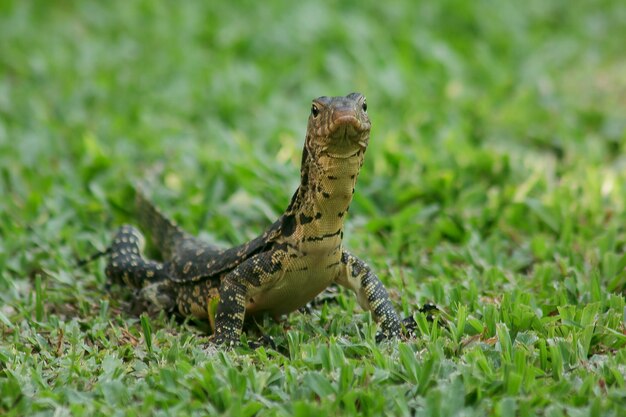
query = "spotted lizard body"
{"x": 284, "y": 268}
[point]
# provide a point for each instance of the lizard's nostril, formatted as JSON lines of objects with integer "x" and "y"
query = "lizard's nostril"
{"x": 345, "y": 117}
{"x": 342, "y": 112}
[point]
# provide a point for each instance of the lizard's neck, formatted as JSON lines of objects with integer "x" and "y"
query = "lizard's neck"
{"x": 321, "y": 202}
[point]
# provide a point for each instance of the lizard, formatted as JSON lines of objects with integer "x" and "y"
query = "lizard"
{"x": 286, "y": 266}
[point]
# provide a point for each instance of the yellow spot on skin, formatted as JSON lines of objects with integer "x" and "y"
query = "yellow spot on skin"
{"x": 187, "y": 267}
{"x": 150, "y": 274}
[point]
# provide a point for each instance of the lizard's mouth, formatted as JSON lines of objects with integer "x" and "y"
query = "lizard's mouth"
{"x": 347, "y": 124}
{"x": 342, "y": 155}
{"x": 346, "y": 146}
{"x": 348, "y": 136}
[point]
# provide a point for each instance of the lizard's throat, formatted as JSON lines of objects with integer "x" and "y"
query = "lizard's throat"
{"x": 320, "y": 204}
{"x": 330, "y": 185}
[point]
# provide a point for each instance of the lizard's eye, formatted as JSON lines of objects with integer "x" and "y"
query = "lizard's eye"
{"x": 314, "y": 110}
{"x": 364, "y": 106}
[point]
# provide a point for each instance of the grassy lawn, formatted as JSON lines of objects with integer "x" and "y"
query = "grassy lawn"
{"x": 494, "y": 187}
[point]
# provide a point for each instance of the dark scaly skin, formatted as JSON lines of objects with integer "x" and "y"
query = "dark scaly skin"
{"x": 295, "y": 259}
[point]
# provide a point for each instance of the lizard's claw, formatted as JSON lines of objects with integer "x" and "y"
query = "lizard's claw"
{"x": 388, "y": 334}
{"x": 409, "y": 325}
{"x": 264, "y": 340}
{"x": 223, "y": 341}
{"x": 405, "y": 330}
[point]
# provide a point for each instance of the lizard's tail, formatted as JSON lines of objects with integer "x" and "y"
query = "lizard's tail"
{"x": 126, "y": 263}
{"x": 165, "y": 233}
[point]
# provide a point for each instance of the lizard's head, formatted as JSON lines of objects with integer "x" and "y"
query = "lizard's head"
{"x": 338, "y": 126}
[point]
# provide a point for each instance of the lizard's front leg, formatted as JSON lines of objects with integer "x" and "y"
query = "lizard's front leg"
{"x": 240, "y": 285}
{"x": 371, "y": 294}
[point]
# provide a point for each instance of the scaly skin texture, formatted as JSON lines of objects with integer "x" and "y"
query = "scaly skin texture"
{"x": 295, "y": 259}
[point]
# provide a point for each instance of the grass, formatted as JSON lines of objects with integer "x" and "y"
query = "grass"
{"x": 494, "y": 186}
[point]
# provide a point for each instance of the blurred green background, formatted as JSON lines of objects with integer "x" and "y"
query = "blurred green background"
{"x": 94, "y": 93}
{"x": 496, "y": 164}
{"x": 467, "y": 99}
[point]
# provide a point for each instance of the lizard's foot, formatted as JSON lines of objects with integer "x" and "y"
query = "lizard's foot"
{"x": 229, "y": 343}
{"x": 392, "y": 333}
{"x": 223, "y": 341}
{"x": 157, "y": 297}
{"x": 264, "y": 340}
{"x": 409, "y": 325}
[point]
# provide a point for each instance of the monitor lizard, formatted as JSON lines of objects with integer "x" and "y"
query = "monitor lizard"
{"x": 284, "y": 268}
